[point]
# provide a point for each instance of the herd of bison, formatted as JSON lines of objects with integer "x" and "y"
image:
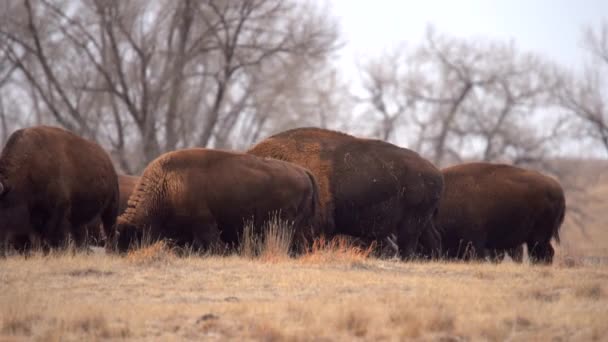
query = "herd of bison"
{"x": 56, "y": 186}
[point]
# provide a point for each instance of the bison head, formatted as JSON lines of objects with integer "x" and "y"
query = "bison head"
{"x": 127, "y": 236}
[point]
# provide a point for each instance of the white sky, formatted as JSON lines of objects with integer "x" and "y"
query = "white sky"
{"x": 550, "y": 27}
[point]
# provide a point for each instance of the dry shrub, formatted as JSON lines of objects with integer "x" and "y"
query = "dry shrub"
{"x": 339, "y": 249}
{"x": 157, "y": 252}
{"x": 273, "y": 244}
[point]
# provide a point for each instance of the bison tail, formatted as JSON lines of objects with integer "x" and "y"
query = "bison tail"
{"x": 559, "y": 221}
{"x": 315, "y": 197}
{"x": 109, "y": 216}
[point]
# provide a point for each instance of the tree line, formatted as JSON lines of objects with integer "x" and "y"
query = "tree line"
{"x": 144, "y": 77}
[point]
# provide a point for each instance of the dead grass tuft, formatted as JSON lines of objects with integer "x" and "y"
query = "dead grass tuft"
{"x": 93, "y": 325}
{"x": 16, "y": 317}
{"x": 18, "y": 325}
{"x": 545, "y": 296}
{"x": 355, "y": 322}
{"x": 89, "y": 272}
{"x": 518, "y": 323}
{"x": 569, "y": 262}
{"x": 272, "y": 244}
{"x": 265, "y": 331}
{"x": 590, "y": 291}
{"x": 157, "y": 252}
{"x": 340, "y": 249}
{"x": 441, "y": 322}
{"x": 409, "y": 325}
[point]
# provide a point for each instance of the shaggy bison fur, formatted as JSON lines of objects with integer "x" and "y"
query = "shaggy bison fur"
{"x": 494, "y": 209}
{"x": 52, "y": 183}
{"x": 369, "y": 189}
{"x": 199, "y": 197}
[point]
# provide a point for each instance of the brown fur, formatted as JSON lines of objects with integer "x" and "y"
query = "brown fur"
{"x": 199, "y": 197}
{"x": 496, "y": 208}
{"x": 369, "y": 189}
{"x": 54, "y": 183}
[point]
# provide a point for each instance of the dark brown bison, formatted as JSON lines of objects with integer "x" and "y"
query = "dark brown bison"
{"x": 52, "y": 183}
{"x": 494, "y": 209}
{"x": 95, "y": 232}
{"x": 199, "y": 197}
{"x": 369, "y": 189}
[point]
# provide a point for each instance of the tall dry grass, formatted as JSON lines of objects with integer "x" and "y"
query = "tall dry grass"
{"x": 340, "y": 249}
{"x": 273, "y": 243}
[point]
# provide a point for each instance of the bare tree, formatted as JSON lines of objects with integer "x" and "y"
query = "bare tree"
{"x": 459, "y": 99}
{"x": 147, "y": 77}
{"x": 586, "y": 96}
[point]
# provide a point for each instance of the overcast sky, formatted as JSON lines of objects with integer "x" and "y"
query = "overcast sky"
{"x": 550, "y": 27}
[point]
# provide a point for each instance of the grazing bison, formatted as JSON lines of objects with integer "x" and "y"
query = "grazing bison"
{"x": 369, "y": 189}
{"x": 126, "y": 184}
{"x": 52, "y": 183}
{"x": 495, "y": 208}
{"x": 198, "y": 197}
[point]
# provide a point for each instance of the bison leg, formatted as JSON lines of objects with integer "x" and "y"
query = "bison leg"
{"x": 108, "y": 220}
{"x": 541, "y": 253}
{"x": 206, "y": 237}
{"x": 56, "y": 233}
{"x": 22, "y": 244}
{"x": 80, "y": 236}
{"x": 430, "y": 242}
{"x": 407, "y": 238}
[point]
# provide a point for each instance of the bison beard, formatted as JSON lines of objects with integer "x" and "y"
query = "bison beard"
{"x": 369, "y": 189}
{"x": 199, "y": 197}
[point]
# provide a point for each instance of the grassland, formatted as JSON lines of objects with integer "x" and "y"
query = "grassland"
{"x": 154, "y": 295}
{"x": 334, "y": 293}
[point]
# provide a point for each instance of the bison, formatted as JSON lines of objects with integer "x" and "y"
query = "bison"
{"x": 198, "y": 197}
{"x": 52, "y": 183}
{"x": 494, "y": 209}
{"x": 369, "y": 189}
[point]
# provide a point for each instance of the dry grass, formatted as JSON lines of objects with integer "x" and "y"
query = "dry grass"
{"x": 153, "y": 294}
{"x": 274, "y": 244}
{"x": 337, "y": 250}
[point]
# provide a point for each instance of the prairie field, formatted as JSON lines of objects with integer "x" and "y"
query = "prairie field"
{"x": 338, "y": 295}
{"x": 337, "y": 292}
